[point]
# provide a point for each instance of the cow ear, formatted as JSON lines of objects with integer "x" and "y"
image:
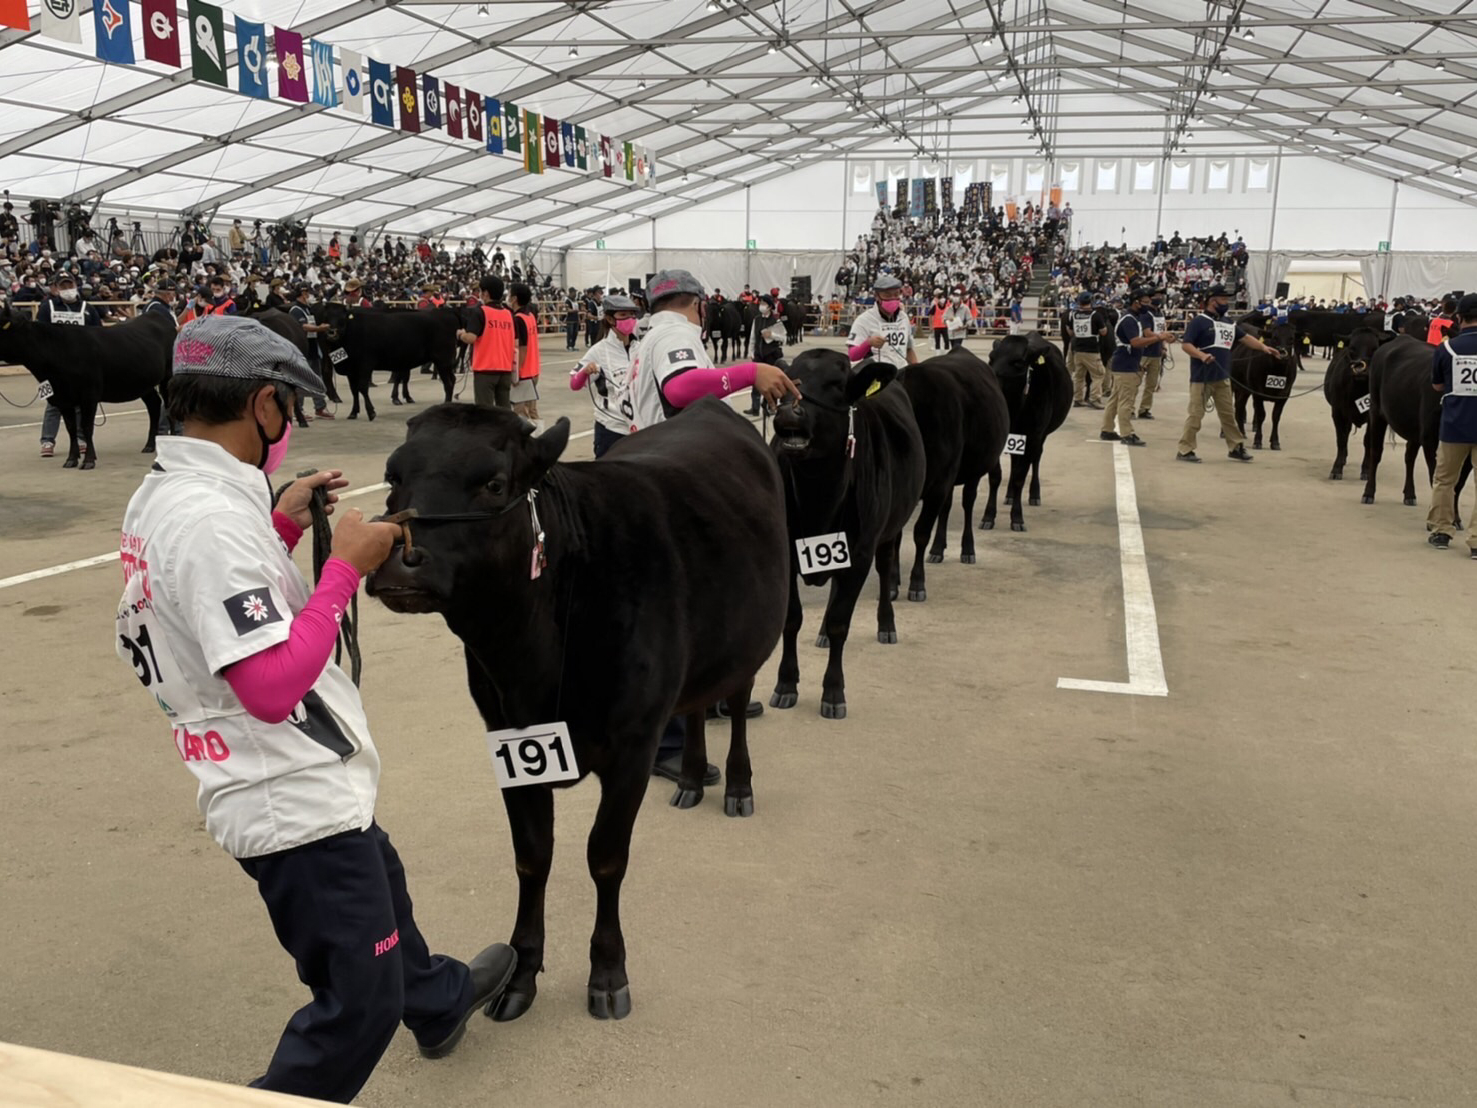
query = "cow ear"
{"x": 869, "y": 378}
{"x": 545, "y": 449}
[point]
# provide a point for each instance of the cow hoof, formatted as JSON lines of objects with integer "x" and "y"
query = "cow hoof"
{"x": 353, "y": 415}
{"x": 148, "y": 449}
{"x": 408, "y": 400}
{"x": 935, "y": 559}
{"x": 509, "y": 1006}
{"x": 1457, "y": 522}
{"x": 606, "y": 1005}
{"x": 738, "y": 807}
{"x": 888, "y": 637}
{"x": 371, "y": 414}
{"x": 1275, "y": 445}
{"x": 395, "y": 400}
{"x": 784, "y": 699}
{"x": 1366, "y": 500}
{"x": 90, "y": 462}
{"x": 892, "y": 593}
{"x": 918, "y": 595}
{"x": 684, "y": 799}
{"x": 833, "y": 711}
{"x": 967, "y": 559}
{"x": 1015, "y": 526}
{"x": 987, "y": 524}
{"x": 70, "y": 463}
{"x": 1335, "y": 475}
{"x": 1410, "y": 502}
{"x": 1034, "y": 502}
{"x": 1256, "y": 446}
{"x": 822, "y": 640}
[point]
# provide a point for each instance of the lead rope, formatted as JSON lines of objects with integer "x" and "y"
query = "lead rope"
{"x": 347, "y": 638}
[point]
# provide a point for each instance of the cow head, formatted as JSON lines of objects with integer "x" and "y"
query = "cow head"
{"x": 467, "y": 474}
{"x": 1015, "y": 356}
{"x": 336, "y": 316}
{"x": 1283, "y": 337}
{"x": 1358, "y": 349}
{"x": 820, "y": 422}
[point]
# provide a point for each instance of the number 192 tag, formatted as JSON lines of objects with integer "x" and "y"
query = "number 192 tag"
{"x": 1015, "y": 444}
{"x": 537, "y": 755}
{"x": 823, "y": 553}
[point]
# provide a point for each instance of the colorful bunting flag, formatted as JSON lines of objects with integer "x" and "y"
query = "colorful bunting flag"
{"x": 114, "y": 31}
{"x": 628, "y": 162}
{"x": 410, "y": 112}
{"x": 251, "y": 57}
{"x": 59, "y": 21}
{"x": 325, "y": 89}
{"x": 453, "y": 97}
{"x": 381, "y": 94}
{"x": 582, "y": 149}
{"x": 494, "y": 120}
{"x": 355, "y": 78}
{"x": 533, "y": 146}
{"x": 566, "y": 145}
{"x": 512, "y": 128}
{"x": 475, "y": 107}
{"x": 207, "y": 32}
{"x": 551, "y": 142}
{"x": 607, "y": 156}
{"x": 650, "y": 169}
{"x": 161, "y": 32}
{"x": 13, "y": 14}
{"x": 292, "y": 75}
{"x": 641, "y": 165}
{"x": 431, "y": 100}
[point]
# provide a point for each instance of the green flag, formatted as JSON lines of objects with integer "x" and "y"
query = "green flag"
{"x": 206, "y": 30}
{"x": 581, "y": 148}
{"x": 630, "y": 156}
{"x": 533, "y": 146}
{"x": 512, "y": 128}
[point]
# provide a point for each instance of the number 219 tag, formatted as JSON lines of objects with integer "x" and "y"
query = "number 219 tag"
{"x": 532, "y": 755}
{"x": 823, "y": 553}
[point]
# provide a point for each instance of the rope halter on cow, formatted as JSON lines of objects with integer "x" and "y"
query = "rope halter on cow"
{"x": 850, "y": 411}
{"x": 408, "y": 556}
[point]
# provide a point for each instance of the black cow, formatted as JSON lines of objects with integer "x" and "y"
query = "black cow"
{"x": 1401, "y": 398}
{"x": 87, "y": 366}
{"x": 1346, "y": 388}
{"x": 666, "y": 550}
{"x": 1324, "y": 328}
{"x": 360, "y": 341}
{"x": 964, "y": 420}
{"x": 853, "y": 465}
{"x": 726, "y": 328}
{"x": 1038, "y": 392}
{"x": 793, "y": 312}
{"x": 1263, "y": 378}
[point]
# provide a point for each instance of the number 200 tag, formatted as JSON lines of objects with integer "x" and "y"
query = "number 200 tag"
{"x": 823, "y": 553}
{"x": 532, "y": 755}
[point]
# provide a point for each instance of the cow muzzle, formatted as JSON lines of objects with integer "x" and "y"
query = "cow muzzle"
{"x": 792, "y": 427}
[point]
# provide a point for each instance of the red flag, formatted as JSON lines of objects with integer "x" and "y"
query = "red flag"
{"x": 473, "y": 112}
{"x": 161, "y": 32}
{"x": 410, "y": 108}
{"x": 551, "y": 142}
{"x": 292, "y": 75}
{"x": 13, "y": 14}
{"x": 607, "y": 158}
{"x": 451, "y": 96}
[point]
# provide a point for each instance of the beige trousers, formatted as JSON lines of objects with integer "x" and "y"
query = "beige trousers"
{"x": 1220, "y": 393}
{"x": 1087, "y": 370}
{"x": 1449, "y": 459}
{"x": 1153, "y": 367}
{"x": 1120, "y": 402}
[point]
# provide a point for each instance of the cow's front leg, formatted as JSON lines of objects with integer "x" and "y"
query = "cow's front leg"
{"x": 886, "y": 563}
{"x": 689, "y": 793}
{"x": 967, "y": 498}
{"x": 69, "y": 419}
{"x": 86, "y": 418}
{"x": 531, "y": 820}
{"x": 845, "y": 588}
{"x": 787, "y": 687}
{"x": 622, "y": 789}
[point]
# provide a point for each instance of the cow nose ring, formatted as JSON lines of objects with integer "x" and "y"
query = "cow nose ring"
{"x": 409, "y": 555}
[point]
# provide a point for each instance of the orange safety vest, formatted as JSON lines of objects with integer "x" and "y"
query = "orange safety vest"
{"x": 1437, "y": 330}
{"x": 493, "y": 350}
{"x": 219, "y": 309}
{"x": 938, "y": 316}
{"x": 528, "y": 363}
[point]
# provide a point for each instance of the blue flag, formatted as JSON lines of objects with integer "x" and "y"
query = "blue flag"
{"x": 325, "y": 90}
{"x": 431, "y": 100}
{"x": 566, "y": 145}
{"x": 381, "y": 94}
{"x": 114, "y": 27}
{"x": 493, "y": 118}
{"x": 251, "y": 53}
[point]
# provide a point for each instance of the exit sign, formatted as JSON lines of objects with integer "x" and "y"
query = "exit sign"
{"x": 753, "y": 244}
{"x": 1384, "y": 248}
{"x": 599, "y": 244}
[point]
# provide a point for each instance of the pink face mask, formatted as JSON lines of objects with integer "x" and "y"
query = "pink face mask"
{"x": 626, "y": 326}
{"x": 277, "y": 450}
{"x": 889, "y": 305}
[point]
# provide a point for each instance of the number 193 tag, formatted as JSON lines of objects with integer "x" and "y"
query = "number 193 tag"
{"x": 537, "y": 755}
{"x": 823, "y": 553}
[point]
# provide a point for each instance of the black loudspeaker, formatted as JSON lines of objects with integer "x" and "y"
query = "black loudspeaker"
{"x": 633, "y": 284}
{"x": 1283, "y": 290}
{"x": 800, "y": 288}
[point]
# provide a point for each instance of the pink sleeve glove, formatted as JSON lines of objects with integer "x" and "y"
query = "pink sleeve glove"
{"x": 270, "y": 683}
{"x": 859, "y": 351}
{"x": 288, "y": 531}
{"x": 691, "y": 386}
{"x": 578, "y": 378}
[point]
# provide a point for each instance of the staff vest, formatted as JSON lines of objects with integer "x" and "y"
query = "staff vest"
{"x": 220, "y": 309}
{"x": 938, "y": 316}
{"x": 493, "y": 350}
{"x": 528, "y": 366}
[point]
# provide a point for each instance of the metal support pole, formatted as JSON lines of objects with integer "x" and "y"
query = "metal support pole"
{"x": 1272, "y": 229}
{"x": 654, "y": 267}
{"x": 1390, "y": 238}
{"x": 845, "y": 198}
{"x": 748, "y": 254}
{"x": 1159, "y": 214}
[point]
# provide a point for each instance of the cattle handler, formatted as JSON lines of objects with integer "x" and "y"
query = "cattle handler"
{"x": 226, "y": 639}
{"x": 884, "y": 330}
{"x": 1208, "y": 340}
{"x": 1454, "y": 376}
{"x": 1083, "y": 329}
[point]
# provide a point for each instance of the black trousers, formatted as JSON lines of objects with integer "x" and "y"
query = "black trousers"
{"x": 340, "y": 908}
{"x": 571, "y": 329}
{"x": 941, "y": 338}
{"x": 605, "y": 438}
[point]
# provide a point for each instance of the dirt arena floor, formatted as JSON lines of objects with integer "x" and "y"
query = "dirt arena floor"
{"x": 977, "y": 889}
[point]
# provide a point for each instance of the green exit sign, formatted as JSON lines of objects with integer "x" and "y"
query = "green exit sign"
{"x": 599, "y": 244}
{"x": 753, "y": 244}
{"x": 1384, "y": 248}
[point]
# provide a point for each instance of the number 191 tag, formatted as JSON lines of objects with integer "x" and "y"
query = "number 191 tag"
{"x": 823, "y": 553}
{"x": 1015, "y": 444}
{"x": 532, "y": 755}
{"x": 45, "y": 391}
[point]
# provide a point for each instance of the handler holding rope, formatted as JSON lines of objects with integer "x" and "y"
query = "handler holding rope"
{"x": 1208, "y": 340}
{"x": 225, "y": 638}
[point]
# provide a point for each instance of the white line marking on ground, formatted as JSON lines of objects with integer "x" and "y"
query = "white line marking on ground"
{"x": 110, "y": 415}
{"x": 1140, "y": 622}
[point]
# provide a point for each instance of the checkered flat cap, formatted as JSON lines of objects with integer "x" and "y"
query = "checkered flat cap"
{"x": 231, "y": 346}
{"x": 669, "y": 282}
{"x": 886, "y": 282}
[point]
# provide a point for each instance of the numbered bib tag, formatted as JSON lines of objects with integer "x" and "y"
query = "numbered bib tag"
{"x": 1276, "y": 382}
{"x": 1015, "y": 444}
{"x": 1082, "y": 327}
{"x": 897, "y": 337}
{"x": 45, "y": 391}
{"x": 1464, "y": 375}
{"x": 1225, "y": 335}
{"x": 1361, "y": 404}
{"x": 338, "y": 355}
{"x": 538, "y": 755}
{"x": 1160, "y": 324}
{"x": 823, "y": 553}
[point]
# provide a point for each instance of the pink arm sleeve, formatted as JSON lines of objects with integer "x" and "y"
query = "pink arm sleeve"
{"x": 288, "y": 531}
{"x": 578, "y": 378}
{"x": 859, "y": 351}
{"x": 687, "y": 388}
{"x": 270, "y": 683}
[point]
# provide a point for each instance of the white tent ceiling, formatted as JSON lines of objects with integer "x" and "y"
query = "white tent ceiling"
{"x": 730, "y": 92}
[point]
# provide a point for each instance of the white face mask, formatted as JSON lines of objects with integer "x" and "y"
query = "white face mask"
{"x": 68, "y": 295}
